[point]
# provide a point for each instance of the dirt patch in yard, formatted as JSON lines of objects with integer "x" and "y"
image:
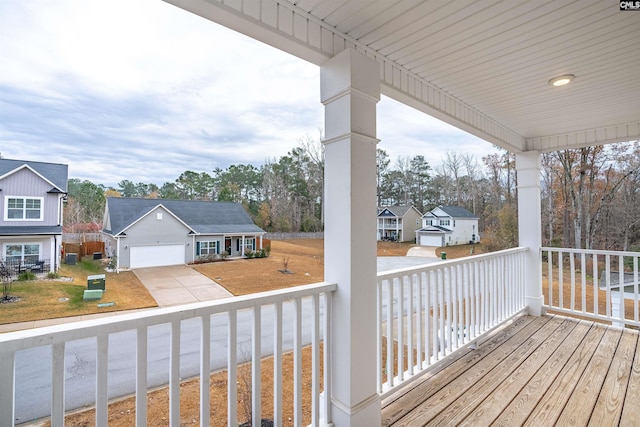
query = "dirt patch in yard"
{"x": 304, "y": 258}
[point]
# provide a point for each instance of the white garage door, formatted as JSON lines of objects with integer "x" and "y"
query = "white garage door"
{"x": 431, "y": 240}
{"x": 155, "y": 256}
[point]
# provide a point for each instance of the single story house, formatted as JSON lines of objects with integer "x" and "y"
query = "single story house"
{"x": 398, "y": 223}
{"x": 156, "y": 232}
{"x": 448, "y": 225}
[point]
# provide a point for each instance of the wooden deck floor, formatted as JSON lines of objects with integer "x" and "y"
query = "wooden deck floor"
{"x": 539, "y": 371}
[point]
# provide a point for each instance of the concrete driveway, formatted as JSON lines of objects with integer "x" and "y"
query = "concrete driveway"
{"x": 423, "y": 251}
{"x": 179, "y": 284}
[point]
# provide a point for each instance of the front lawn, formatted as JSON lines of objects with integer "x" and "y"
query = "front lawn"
{"x": 53, "y": 298}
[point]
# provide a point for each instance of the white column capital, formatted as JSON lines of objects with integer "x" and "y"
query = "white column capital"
{"x": 350, "y": 72}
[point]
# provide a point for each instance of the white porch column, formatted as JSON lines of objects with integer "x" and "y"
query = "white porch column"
{"x": 530, "y": 226}
{"x": 350, "y": 89}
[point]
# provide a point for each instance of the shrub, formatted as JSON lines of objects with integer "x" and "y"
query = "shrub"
{"x": 26, "y": 275}
{"x": 113, "y": 263}
{"x": 250, "y": 254}
{"x": 263, "y": 253}
{"x": 52, "y": 275}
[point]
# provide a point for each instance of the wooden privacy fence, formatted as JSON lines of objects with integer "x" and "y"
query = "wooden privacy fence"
{"x": 83, "y": 249}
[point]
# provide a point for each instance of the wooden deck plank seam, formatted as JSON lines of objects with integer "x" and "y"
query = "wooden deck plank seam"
{"x": 448, "y": 395}
{"x": 553, "y": 371}
{"x": 451, "y": 371}
{"x": 481, "y": 398}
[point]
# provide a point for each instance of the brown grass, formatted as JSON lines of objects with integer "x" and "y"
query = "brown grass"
{"x": 40, "y": 299}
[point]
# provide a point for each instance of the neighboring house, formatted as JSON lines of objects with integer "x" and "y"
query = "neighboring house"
{"x": 156, "y": 232}
{"x": 31, "y": 199}
{"x": 448, "y": 225}
{"x": 398, "y": 223}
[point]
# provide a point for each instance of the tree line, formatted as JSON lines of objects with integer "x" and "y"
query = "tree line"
{"x": 590, "y": 196}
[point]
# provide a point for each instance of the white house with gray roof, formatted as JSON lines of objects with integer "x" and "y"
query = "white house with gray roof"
{"x": 448, "y": 225}
{"x": 156, "y": 232}
{"x": 31, "y": 202}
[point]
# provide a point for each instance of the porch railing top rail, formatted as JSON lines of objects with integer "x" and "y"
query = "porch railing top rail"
{"x": 450, "y": 262}
{"x": 589, "y": 251}
{"x": 19, "y": 340}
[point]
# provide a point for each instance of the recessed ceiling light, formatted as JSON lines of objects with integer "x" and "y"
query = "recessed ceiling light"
{"x": 562, "y": 80}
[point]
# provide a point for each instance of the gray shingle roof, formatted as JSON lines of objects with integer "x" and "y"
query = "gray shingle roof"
{"x": 30, "y": 230}
{"x": 457, "y": 212}
{"x": 399, "y": 211}
{"x": 57, "y": 173}
{"x": 201, "y": 216}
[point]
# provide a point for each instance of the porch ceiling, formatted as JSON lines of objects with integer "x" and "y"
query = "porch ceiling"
{"x": 483, "y": 66}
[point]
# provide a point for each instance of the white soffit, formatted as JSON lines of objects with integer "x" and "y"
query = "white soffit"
{"x": 481, "y": 65}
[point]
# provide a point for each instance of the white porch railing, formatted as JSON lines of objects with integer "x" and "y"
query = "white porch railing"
{"x": 434, "y": 310}
{"x": 588, "y": 283}
{"x": 57, "y": 337}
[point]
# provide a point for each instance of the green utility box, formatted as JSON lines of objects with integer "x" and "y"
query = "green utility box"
{"x": 96, "y": 282}
{"x": 92, "y": 294}
{"x": 443, "y": 255}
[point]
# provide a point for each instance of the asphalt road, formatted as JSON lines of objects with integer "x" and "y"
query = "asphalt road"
{"x": 33, "y": 366}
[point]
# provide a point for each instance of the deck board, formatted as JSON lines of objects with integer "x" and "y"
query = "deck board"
{"x": 561, "y": 345}
{"x": 609, "y": 404}
{"x": 550, "y": 370}
{"x": 580, "y": 405}
{"x": 518, "y": 410}
{"x": 631, "y": 411}
{"x": 489, "y": 396}
{"x": 549, "y": 408}
{"x": 414, "y": 394}
{"x": 448, "y": 398}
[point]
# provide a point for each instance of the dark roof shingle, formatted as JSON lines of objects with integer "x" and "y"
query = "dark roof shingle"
{"x": 203, "y": 217}
{"x": 57, "y": 173}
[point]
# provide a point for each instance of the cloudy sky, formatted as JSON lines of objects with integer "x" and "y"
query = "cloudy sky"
{"x": 142, "y": 90}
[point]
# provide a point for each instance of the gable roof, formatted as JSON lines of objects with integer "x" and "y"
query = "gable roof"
{"x": 54, "y": 173}
{"x": 399, "y": 211}
{"x": 202, "y": 217}
{"x": 453, "y": 212}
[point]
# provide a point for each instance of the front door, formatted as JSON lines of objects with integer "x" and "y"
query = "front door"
{"x": 227, "y": 245}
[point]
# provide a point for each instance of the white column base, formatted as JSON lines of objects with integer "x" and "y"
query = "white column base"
{"x": 534, "y": 305}
{"x": 366, "y": 413}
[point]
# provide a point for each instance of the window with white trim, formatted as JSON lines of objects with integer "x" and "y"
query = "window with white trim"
{"x": 26, "y": 253}
{"x": 208, "y": 248}
{"x": 249, "y": 244}
{"x": 445, "y": 222}
{"x": 23, "y": 208}
{"x": 429, "y": 222}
